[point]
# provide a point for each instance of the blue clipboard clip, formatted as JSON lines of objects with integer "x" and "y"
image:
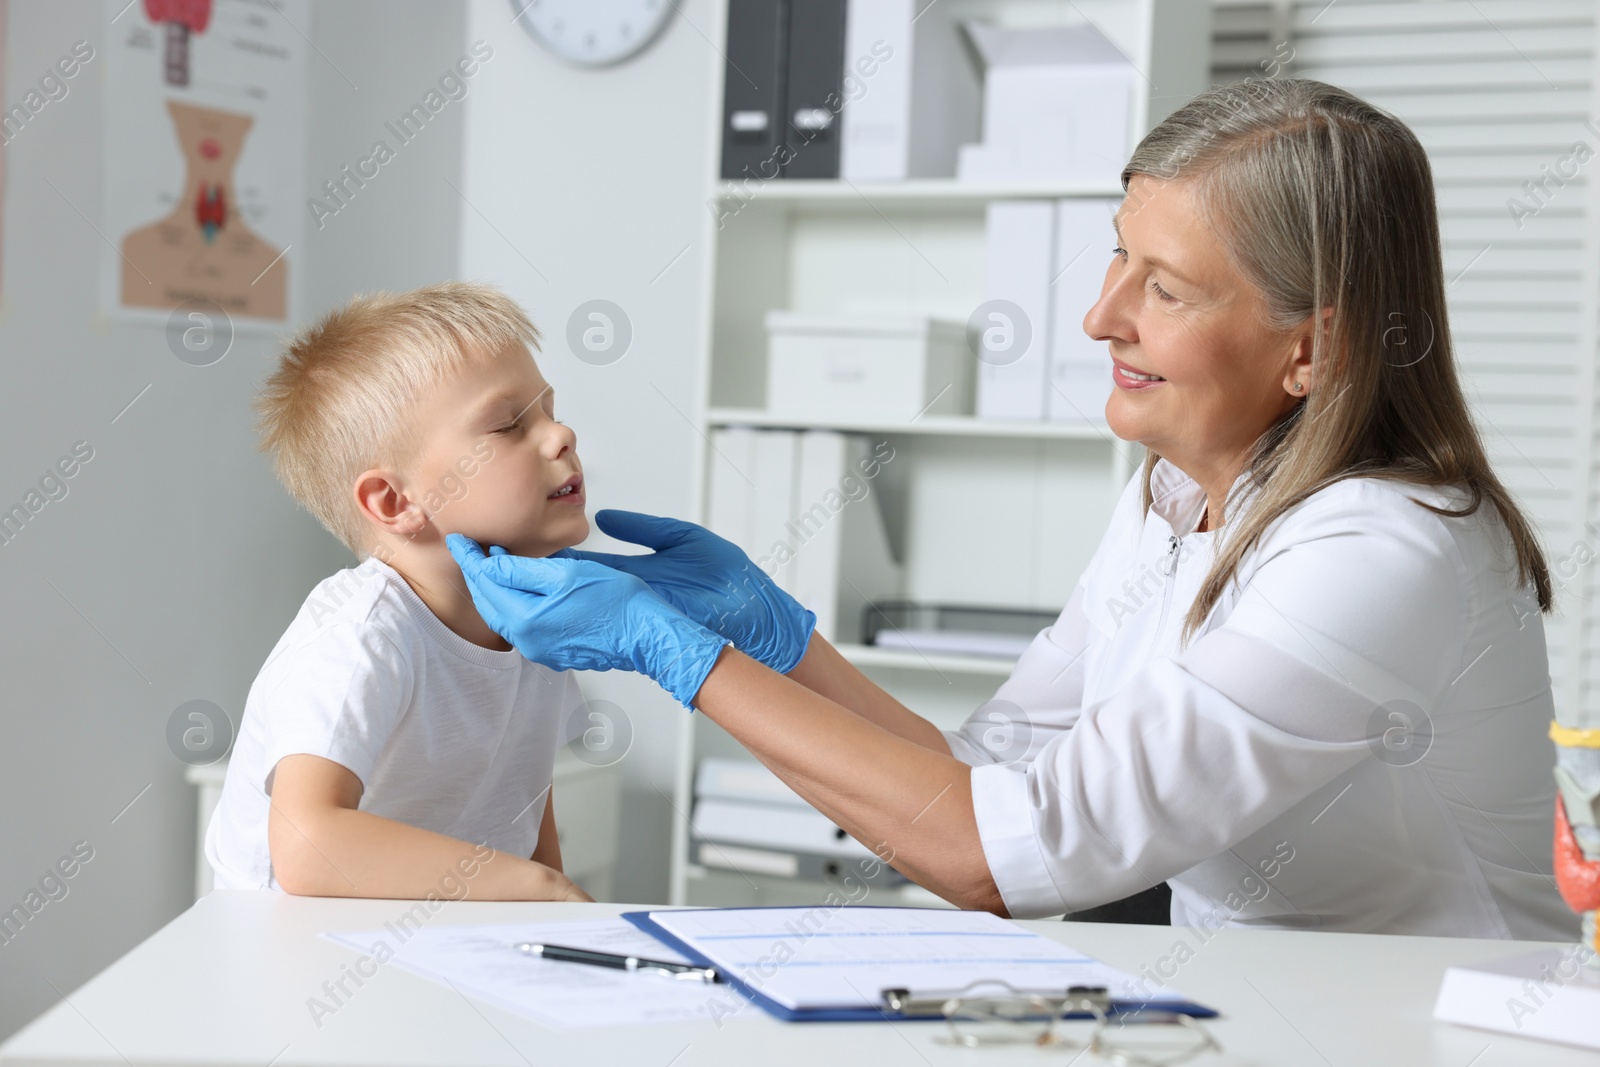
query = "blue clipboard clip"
{"x": 1031, "y": 1015}
{"x": 1079, "y": 1001}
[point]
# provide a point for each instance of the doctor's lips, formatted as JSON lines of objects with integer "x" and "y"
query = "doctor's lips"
{"x": 1128, "y": 377}
{"x": 569, "y": 491}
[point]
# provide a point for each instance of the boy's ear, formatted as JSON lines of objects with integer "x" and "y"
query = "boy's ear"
{"x": 384, "y": 504}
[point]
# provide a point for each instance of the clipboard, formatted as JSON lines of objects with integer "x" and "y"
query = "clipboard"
{"x": 904, "y": 1000}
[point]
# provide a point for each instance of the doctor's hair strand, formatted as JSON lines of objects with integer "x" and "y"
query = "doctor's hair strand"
{"x": 1322, "y": 200}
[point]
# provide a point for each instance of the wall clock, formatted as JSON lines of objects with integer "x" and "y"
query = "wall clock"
{"x": 593, "y": 33}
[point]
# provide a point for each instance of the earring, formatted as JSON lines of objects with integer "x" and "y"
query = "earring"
{"x": 1298, "y": 386}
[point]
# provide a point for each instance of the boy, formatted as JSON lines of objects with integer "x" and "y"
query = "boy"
{"x": 393, "y": 745}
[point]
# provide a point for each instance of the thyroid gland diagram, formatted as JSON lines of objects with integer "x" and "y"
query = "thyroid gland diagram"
{"x": 203, "y": 249}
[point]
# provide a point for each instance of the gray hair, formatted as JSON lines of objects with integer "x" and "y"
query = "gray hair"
{"x": 1322, "y": 200}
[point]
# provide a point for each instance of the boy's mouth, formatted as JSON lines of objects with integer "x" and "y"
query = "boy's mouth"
{"x": 572, "y": 487}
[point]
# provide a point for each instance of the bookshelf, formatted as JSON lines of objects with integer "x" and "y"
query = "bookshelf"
{"x": 924, "y": 194}
{"x": 927, "y": 425}
{"x": 981, "y": 512}
{"x": 871, "y": 657}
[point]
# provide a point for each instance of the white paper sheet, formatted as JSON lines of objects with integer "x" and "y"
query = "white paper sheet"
{"x": 480, "y": 962}
{"x": 821, "y": 957}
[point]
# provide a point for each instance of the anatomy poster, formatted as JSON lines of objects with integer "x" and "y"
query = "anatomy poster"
{"x": 205, "y": 127}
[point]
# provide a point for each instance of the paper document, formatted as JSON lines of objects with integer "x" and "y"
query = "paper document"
{"x": 816, "y": 959}
{"x": 480, "y": 962}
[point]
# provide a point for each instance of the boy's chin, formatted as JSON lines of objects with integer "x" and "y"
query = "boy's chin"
{"x": 540, "y": 546}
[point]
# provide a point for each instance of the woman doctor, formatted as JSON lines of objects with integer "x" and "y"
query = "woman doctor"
{"x": 1304, "y": 677}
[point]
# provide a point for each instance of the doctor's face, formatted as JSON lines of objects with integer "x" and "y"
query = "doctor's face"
{"x": 1199, "y": 372}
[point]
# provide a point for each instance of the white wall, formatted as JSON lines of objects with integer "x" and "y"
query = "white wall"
{"x": 175, "y": 561}
{"x": 588, "y": 184}
{"x": 175, "y": 543}
{"x": 399, "y": 231}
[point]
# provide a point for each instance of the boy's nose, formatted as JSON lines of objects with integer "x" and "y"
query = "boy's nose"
{"x": 561, "y": 440}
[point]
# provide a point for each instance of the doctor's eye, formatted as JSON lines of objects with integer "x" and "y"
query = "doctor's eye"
{"x": 1161, "y": 294}
{"x": 1119, "y": 251}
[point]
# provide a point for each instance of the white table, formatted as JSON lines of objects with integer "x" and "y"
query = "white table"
{"x": 227, "y": 983}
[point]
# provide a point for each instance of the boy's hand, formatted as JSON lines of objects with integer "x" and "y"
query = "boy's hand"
{"x": 559, "y": 887}
{"x": 323, "y": 845}
{"x": 712, "y": 581}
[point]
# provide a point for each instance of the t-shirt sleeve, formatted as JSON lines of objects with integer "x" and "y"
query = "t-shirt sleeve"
{"x": 1349, "y": 612}
{"x": 339, "y": 695}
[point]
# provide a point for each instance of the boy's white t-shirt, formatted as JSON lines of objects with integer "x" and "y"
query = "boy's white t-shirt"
{"x": 444, "y": 734}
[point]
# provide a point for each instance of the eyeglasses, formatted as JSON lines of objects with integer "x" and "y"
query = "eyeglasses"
{"x": 994, "y": 1013}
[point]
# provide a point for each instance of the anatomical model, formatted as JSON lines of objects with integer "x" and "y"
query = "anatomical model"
{"x": 1577, "y": 845}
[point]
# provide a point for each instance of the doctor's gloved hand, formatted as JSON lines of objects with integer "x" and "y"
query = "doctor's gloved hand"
{"x": 712, "y": 581}
{"x": 572, "y": 614}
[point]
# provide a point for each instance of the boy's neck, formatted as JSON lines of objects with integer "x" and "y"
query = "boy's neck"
{"x": 436, "y": 578}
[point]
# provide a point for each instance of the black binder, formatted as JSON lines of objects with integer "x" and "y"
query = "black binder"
{"x": 783, "y": 89}
{"x": 753, "y": 92}
{"x": 816, "y": 88}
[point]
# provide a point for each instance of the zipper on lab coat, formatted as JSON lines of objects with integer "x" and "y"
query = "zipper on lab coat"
{"x": 1169, "y": 567}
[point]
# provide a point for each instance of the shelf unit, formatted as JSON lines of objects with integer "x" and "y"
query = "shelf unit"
{"x": 725, "y": 888}
{"x": 929, "y": 425}
{"x": 928, "y": 194}
{"x": 980, "y": 511}
{"x": 869, "y": 657}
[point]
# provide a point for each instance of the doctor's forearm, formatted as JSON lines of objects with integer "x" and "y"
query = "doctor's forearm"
{"x": 826, "y": 672}
{"x": 910, "y": 804}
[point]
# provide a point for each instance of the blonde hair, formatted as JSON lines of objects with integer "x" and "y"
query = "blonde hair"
{"x": 1323, "y": 200}
{"x": 339, "y": 401}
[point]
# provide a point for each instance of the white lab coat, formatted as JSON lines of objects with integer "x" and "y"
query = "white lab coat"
{"x": 1278, "y": 772}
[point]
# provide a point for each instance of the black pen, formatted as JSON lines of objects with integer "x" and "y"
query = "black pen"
{"x": 564, "y": 954}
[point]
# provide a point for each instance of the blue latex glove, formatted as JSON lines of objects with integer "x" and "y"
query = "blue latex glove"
{"x": 572, "y": 614}
{"x": 712, "y": 581}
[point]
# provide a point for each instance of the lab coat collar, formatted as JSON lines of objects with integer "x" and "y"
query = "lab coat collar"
{"x": 1180, "y": 501}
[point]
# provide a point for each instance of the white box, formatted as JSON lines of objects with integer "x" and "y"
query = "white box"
{"x": 1019, "y": 251}
{"x": 746, "y": 818}
{"x": 773, "y": 826}
{"x": 911, "y": 92}
{"x": 772, "y": 503}
{"x": 843, "y": 560}
{"x": 1057, "y": 106}
{"x": 1080, "y": 367}
{"x": 886, "y": 368}
{"x": 743, "y": 780}
{"x": 732, "y": 481}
